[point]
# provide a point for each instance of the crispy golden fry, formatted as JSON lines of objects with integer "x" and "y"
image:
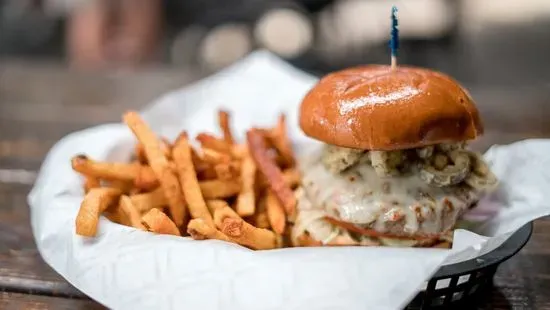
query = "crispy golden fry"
{"x": 275, "y": 213}
{"x": 214, "y": 204}
{"x": 158, "y": 222}
{"x": 188, "y": 179}
{"x": 259, "y": 218}
{"x": 115, "y": 214}
{"x": 146, "y": 179}
{"x": 95, "y": 202}
{"x": 151, "y": 200}
{"x": 292, "y": 178}
{"x": 443, "y": 245}
{"x": 276, "y": 158}
{"x": 131, "y": 212}
{"x": 271, "y": 172}
{"x": 206, "y": 172}
{"x": 135, "y": 191}
{"x": 142, "y": 157}
{"x": 197, "y": 160}
{"x": 91, "y": 182}
{"x": 215, "y": 189}
{"x": 239, "y": 151}
{"x": 168, "y": 179}
{"x": 199, "y": 230}
{"x": 123, "y": 186}
{"x": 214, "y": 157}
{"x": 142, "y": 176}
{"x": 280, "y": 140}
{"x": 224, "y": 120}
{"x": 140, "y": 153}
{"x": 242, "y": 232}
{"x": 103, "y": 170}
{"x": 305, "y": 240}
{"x": 208, "y": 141}
{"x": 228, "y": 171}
{"x": 246, "y": 201}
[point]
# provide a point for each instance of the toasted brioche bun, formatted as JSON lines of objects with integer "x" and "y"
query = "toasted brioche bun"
{"x": 376, "y": 108}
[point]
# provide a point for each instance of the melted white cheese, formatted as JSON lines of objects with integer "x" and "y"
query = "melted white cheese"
{"x": 399, "y": 204}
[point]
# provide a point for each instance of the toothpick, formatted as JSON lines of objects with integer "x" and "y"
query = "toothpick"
{"x": 394, "y": 40}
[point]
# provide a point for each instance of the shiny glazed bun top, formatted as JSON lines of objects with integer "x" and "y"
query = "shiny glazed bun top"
{"x": 376, "y": 108}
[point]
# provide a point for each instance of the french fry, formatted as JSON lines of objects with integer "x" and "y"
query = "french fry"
{"x": 242, "y": 232}
{"x": 91, "y": 182}
{"x": 199, "y": 230}
{"x": 443, "y": 245}
{"x": 292, "y": 178}
{"x": 259, "y": 218}
{"x": 239, "y": 151}
{"x": 246, "y": 201}
{"x": 140, "y": 153}
{"x": 151, "y": 200}
{"x": 224, "y": 121}
{"x": 280, "y": 140}
{"x": 208, "y": 141}
{"x": 115, "y": 214}
{"x": 135, "y": 191}
{"x": 168, "y": 180}
{"x": 188, "y": 179}
{"x": 142, "y": 157}
{"x": 271, "y": 172}
{"x": 305, "y": 240}
{"x": 215, "y": 157}
{"x": 158, "y": 222}
{"x": 166, "y": 147}
{"x": 215, "y": 204}
{"x": 95, "y": 202}
{"x": 227, "y": 171}
{"x": 206, "y": 171}
{"x": 104, "y": 170}
{"x": 123, "y": 186}
{"x": 215, "y": 189}
{"x": 146, "y": 179}
{"x": 275, "y": 213}
{"x": 131, "y": 212}
{"x": 197, "y": 160}
{"x": 142, "y": 175}
{"x": 234, "y": 192}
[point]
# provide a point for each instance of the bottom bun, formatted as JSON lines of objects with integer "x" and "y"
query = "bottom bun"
{"x": 306, "y": 240}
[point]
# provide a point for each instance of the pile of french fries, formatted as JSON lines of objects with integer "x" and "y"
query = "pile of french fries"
{"x": 240, "y": 193}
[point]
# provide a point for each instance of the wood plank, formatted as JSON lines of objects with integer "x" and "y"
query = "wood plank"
{"x": 16, "y": 301}
{"x": 21, "y": 267}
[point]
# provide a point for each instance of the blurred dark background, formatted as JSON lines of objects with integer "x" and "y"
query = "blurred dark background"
{"x": 489, "y": 42}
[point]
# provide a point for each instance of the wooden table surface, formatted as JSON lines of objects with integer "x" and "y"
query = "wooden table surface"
{"x": 39, "y": 104}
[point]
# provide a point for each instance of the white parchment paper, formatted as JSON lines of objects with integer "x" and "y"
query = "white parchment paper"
{"x": 123, "y": 268}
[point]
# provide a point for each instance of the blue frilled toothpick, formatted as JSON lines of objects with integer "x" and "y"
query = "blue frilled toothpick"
{"x": 394, "y": 40}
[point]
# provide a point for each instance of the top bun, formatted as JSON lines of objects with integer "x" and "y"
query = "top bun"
{"x": 376, "y": 108}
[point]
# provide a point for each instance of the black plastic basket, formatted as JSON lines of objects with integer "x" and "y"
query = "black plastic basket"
{"x": 462, "y": 284}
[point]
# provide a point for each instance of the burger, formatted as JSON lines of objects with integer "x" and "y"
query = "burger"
{"x": 394, "y": 169}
